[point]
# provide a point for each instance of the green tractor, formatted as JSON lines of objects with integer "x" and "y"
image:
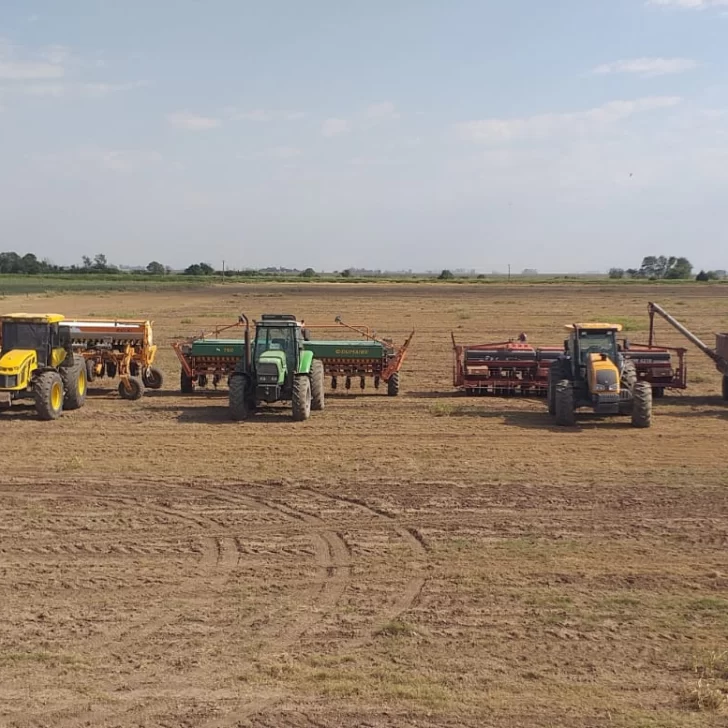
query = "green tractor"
{"x": 275, "y": 367}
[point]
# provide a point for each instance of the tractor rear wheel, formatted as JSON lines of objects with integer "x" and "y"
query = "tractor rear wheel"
{"x": 75, "y": 384}
{"x": 393, "y": 385}
{"x": 153, "y": 378}
{"x": 239, "y": 397}
{"x": 557, "y": 372}
{"x": 48, "y": 393}
{"x": 725, "y": 387}
{"x": 131, "y": 388}
{"x": 564, "y": 404}
{"x": 629, "y": 374}
{"x": 642, "y": 405}
{"x": 186, "y": 385}
{"x": 301, "y": 398}
{"x": 317, "y": 385}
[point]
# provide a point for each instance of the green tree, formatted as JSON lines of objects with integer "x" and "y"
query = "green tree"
{"x": 155, "y": 268}
{"x": 346, "y": 273}
{"x": 616, "y": 273}
{"x": 446, "y": 275}
{"x": 702, "y": 276}
{"x": 308, "y": 273}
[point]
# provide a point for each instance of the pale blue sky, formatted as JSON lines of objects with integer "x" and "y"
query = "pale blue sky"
{"x": 563, "y": 135}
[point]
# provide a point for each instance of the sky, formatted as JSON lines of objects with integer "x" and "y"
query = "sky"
{"x": 560, "y": 135}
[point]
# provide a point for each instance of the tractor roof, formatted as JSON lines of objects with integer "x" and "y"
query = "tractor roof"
{"x": 33, "y": 318}
{"x": 594, "y": 327}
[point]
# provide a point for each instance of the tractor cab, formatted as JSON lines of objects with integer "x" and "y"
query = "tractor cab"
{"x": 29, "y": 341}
{"x": 590, "y": 342}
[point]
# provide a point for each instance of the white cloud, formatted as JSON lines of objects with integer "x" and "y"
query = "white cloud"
{"x": 333, "y": 127}
{"x": 81, "y": 159}
{"x": 690, "y": 4}
{"x": 648, "y": 67}
{"x": 55, "y": 54}
{"x": 496, "y": 131}
{"x": 385, "y": 110}
{"x": 192, "y": 122}
{"x": 29, "y": 70}
{"x": 264, "y": 115}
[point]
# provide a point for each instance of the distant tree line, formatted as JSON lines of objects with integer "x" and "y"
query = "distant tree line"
{"x": 662, "y": 267}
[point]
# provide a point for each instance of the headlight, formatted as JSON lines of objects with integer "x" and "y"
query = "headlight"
{"x": 614, "y": 387}
{"x": 600, "y": 387}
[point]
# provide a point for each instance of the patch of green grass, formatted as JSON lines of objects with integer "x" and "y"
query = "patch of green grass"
{"x": 186, "y": 321}
{"x": 39, "y": 656}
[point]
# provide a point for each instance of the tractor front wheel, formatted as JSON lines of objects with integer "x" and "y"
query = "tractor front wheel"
{"x": 239, "y": 397}
{"x": 317, "y": 385}
{"x": 393, "y": 385}
{"x": 642, "y": 405}
{"x": 48, "y": 393}
{"x": 629, "y": 374}
{"x": 131, "y": 388}
{"x": 75, "y": 383}
{"x": 301, "y": 398}
{"x": 153, "y": 378}
{"x": 556, "y": 374}
{"x": 564, "y": 404}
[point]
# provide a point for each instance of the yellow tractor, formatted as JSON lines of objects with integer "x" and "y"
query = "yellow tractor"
{"x": 593, "y": 373}
{"x": 37, "y": 362}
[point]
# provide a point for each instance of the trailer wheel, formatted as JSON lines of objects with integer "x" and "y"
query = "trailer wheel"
{"x": 90, "y": 370}
{"x": 317, "y": 385}
{"x": 725, "y": 387}
{"x": 642, "y": 405}
{"x": 74, "y": 384}
{"x": 135, "y": 390}
{"x": 393, "y": 385}
{"x": 153, "y": 378}
{"x": 239, "y": 397}
{"x": 564, "y": 404}
{"x": 301, "y": 398}
{"x": 48, "y": 393}
{"x": 111, "y": 369}
{"x": 186, "y": 385}
{"x": 658, "y": 392}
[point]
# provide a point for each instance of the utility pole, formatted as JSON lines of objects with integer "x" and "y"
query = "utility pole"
{"x": 509, "y": 272}
{"x": 223, "y": 271}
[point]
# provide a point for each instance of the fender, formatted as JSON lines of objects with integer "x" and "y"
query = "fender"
{"x": 304, "y": 363}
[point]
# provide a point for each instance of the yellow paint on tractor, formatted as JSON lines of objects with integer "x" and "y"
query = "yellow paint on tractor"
{"x": 34, "y": 318}
{"x": 594, "y": 327}
{"x": 597, "y": 363}
{"x": 20, "y": 363}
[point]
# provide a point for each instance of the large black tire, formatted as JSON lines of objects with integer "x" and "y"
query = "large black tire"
{"x": 135, "y": 390}
{"x": 153, "y": 378}
{"x": 393, "y": 385}
{"x": 642, "y": 405}
{"x": 186, "y": 385}
{"x": 658, "y": 392}
{"x": 239, "y": 397}
{"x": 564, "y": 404}
{"x": 301, "y": 398}
{"x": 90, "y": 370}
{"x": 725, "y": 387}
{"x": 48, "y": 394}
{"x": 317, "y": 385}
{"x": 557, "y": 371}
{"x": 629, "y": 374}
{"x": 75, "y": 384}
{"x": 111, "y": 369}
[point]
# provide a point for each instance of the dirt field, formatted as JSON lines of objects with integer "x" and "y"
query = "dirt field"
{"x": 426, "y": 560}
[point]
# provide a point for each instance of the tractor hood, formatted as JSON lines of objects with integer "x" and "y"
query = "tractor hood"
{"x": 271, "y": 367}
{"x": 603, "y": 374}
{"x": 12, "y": 361}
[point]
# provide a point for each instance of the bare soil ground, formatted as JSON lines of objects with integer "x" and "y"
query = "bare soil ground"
{"x": 426, "y": 560}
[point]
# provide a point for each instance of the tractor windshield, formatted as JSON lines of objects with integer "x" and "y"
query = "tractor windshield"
{"x": 276, "y": 338}
{"x": 24, "y": 335}
{"x": 597, "y": 342}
